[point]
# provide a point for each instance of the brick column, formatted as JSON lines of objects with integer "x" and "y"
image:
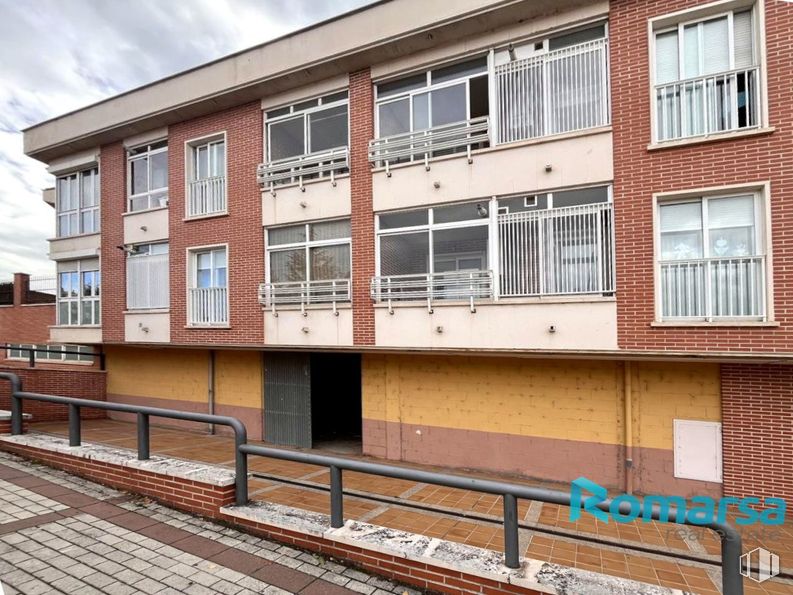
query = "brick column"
{"x": 21, "y": 287}
{"x": 361, "y": 132}
{"x": 112, "y": 173}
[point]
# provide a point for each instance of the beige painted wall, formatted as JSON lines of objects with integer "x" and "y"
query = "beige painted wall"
{"x": 155, "y": 222}
{"x": 321, "y": 199}
{"x": 157, "y": 323}
{"x": 324, "y": 329}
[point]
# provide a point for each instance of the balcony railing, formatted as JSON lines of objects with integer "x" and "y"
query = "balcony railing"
{"x": 424, "y": 144}
{"x": 206, "y": 196}
{"x": 456, "y": 285}
{"x": 709, "y": 104}
{"x": 713, "y": 288}
{"x": 553, "y": 93}
{"x": 304, "y": 167}
{"x": 330, "y": 291}
{"x": 562, "y": 251}
{"x": 209, "y": 306}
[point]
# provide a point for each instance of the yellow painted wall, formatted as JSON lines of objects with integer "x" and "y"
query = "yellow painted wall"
{"x": 238, "y": 378}
{"x": 564, "y": 399}
{"x": 178, "y": 374}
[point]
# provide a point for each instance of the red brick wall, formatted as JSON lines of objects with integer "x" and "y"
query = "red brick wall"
{"x": 757, "y": 430}
{"x": 639, "y": 173}
{"x": 82, "y": 383}
{"x": 27, "y": 323}
{"x": 241, "y": 229}
{"x": 113, "y": 167}
{"x": 361, "y": 132}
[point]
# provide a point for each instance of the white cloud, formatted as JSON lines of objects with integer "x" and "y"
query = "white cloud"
{"x": 59, "y": 56}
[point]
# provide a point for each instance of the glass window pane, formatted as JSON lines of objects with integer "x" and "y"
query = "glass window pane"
{"x": 577, "y": 37}
{"x": 286, "y": 139}
{"x": 404, "y": 219}
{"x": 286, "y": 235}
{"x": 97, "y": 315}
{"x": 421, "y": 111}
{"x": 73, "y": 310}
{"x": 683, "y": 216}
{"x": 330, "y": 230}
{"x": 140, "y": 175}
{"x": 743, "y": 39}
{"x": 681, "y": 245}
{"x": 219, "y": 258}
{"x": 202, "y": 162}
{"x": 736, "y": 241}
{"x": 220, "y": 277}
{"x": 404, "y": 254}
{"x": 74, "y": 192}
{"x": 328, "y": 128}
{"x": 139, "y": 203}
{"x": 220, "y": 159}
{"x": 402, "y": 85}
{"x": 159, "y": 170}
{"x": 460, "y": 249}
{"x": 394, "y": 117}
{"x": 330, "y": 262}
{"x": 691, "y": 53}
{"x": 731, "y": 212}
{"x": 87, "y": 222}
{"x": 449, "y": 105}
{"x": 465, "y": 212}
{"x": 666, "y": 61}
{"x": 288, "y": 265}
{"x": 72, "y": 357}
{"x": 715, "y": 45}
{"x": 204, "y": 260}
{"x": 87, "y": 191}
{"x": 582, "y": 196}
{"x": 62, "y": 195}
{"x": 63, "y": 312}
{"x": 204, "y": 278}
{"x": 456, "y": 71}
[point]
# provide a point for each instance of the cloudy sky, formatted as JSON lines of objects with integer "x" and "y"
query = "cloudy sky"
{"x": 58, "y": 55}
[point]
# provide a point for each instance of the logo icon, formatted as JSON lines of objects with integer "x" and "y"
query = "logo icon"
{"x": 759, "y": 565}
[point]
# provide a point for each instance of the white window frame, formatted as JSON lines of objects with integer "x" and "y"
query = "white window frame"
{"x": 763, "y": 246}
{"x": 677, "y": 22}
{"x": 304, "y": 114}
{"x": 149, "y": 191}
{"x": 307, "y": 244}
{"x": 151, "y": 305}
{"x": 53, "y": 349}
{"x": 78, "y": 210}
{"x": 81, "y": 300}
{"x": 192, "y": 278}
{"x": 191, "y": 170}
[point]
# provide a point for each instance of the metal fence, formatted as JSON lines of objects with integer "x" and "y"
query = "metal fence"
{"x": 559, "y": 91}
{"x": 455, "y": 285}
{"x": 44, "y": 284}
{"x": 209, "y": 305}
{"x": 303, "y": 293}
{"x": 731, "y": 543}
{"x": 207, "y": 196}
{"x": 562, "y": 251}
{"x": 304, "y": 167}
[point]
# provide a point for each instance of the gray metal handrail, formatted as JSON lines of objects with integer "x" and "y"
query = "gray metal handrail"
{"x": 731, "y": 542}
{"x": 32, "y": 351}
{"x": 143, "y": 415}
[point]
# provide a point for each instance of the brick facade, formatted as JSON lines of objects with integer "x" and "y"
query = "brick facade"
{"x": 757, "y": 430}
{"x": 26, "y": 320}
{"x": 241, "y": 228}
{"x": 640, "y": 172}
{"x": 113, "y": 168}
{"x": 67, "y": 381}
{"x": 361, "y": 131}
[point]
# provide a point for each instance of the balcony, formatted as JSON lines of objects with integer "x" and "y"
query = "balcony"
{"x": 304, "y": 293}
{"x": 709, "y": 289}
{"x": 206, "y": 196}
{"x": 304, "y": 167}
{"x": 208, "y": 306}
{"x": 701, "y": 106}
{"x": 456, "y": 285}
{"x": 432, "y": 142}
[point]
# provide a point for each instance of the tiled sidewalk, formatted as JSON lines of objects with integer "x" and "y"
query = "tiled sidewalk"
{"x": 472, "y": 518}
{"x": 83, "y": 539}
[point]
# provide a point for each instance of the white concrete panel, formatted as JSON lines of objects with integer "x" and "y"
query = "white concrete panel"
{"x": 82, "y": 246}
{"x": 88, "y": 335}
{"x": 322, "y": 328}
{"x": 574, "y": 160}
{"x": 147, "y": 327}
{"x": 74, "y": 162}
{"x": 146, "y": 226}
{"x": 578, "y": 326}
{"x": 321, "y": 200}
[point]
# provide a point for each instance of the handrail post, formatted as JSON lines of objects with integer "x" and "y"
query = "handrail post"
{"x": 143, "y": 437}
{"x": 336, "y": 498}
{"x": 32, "y": 358}
{"x": 240, "y": 463}
{"x": 74, "y": 425}
{"x": 731, "y": 550}
{"x": 511, "y": 547}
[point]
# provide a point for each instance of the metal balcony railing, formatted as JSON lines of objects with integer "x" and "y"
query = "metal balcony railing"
{"x": 709, "y": 104}
{"x": 424, "y": 144}
{"x": 303, "y": 167}
{"x": 206, "y": 196}
{"x": 553, "y": 93}
{"x": 330, "y": 291}
{"x": 713, "y": 288}
{"x": 456, "y": 285}
{"x": 564, "y": 251}
{"x": 208, "y": 306}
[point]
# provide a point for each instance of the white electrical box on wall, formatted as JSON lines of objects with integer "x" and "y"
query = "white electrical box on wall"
{"x": 697, "y": 447}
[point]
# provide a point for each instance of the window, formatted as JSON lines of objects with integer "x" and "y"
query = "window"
{"x": 206, "y": 176}
{"x": 553, "y": 86}
{"x": 52, "y": 353}
{"x": 147, "y": 277}
{"x": 77, "y": 202}
{"x": 208, "y": 287}
{"x": 706, "y": 76}
{"x": 147, "y": 175}
{"x": 78, "y": 297}
{"x": 310, "y": 252}
{"x": 711, "y": 258}
{"x": 444, "y": 96}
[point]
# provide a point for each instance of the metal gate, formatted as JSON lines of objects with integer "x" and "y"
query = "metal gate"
{"x": 287, "y": 399}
